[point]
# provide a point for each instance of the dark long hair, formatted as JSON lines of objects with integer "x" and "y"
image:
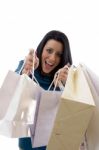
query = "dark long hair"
{"x": 61, "y": 37}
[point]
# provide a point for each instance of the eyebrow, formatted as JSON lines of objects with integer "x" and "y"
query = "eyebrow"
{"x": 53, "y": 49}
{"x": 49, "y": 47}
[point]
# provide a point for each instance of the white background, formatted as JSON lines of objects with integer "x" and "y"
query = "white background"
{"x": 23, "y": 23}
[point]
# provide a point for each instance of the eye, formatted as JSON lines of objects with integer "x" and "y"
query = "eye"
{"x": 49, "y": 50}
{"x": 59, "y": 54}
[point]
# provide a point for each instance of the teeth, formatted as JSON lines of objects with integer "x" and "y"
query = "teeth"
{"x": 49, "y": 63}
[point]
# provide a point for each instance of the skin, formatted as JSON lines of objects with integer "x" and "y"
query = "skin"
{"x": 51, "y": 55}
{"x": 50, "y": 59}
{"x": 28, "y": 67}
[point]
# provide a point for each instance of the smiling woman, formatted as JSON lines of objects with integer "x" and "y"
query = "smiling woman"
{"x": 54, "y": 54}
{"x": 22, "y": 26}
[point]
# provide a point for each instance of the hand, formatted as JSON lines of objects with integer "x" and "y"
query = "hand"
{"x": 61, "y": 75}
{"x": 28, "y": 67}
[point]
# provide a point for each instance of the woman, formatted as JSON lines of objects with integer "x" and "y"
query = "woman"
{"x": 54, "y": 56}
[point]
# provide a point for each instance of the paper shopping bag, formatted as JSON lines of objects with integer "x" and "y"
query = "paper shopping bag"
{"x": 18, "y": 96}
{"x": 92, "y": 133}
{"x": 74, "y": 113}
{"x": 49, "y": 102}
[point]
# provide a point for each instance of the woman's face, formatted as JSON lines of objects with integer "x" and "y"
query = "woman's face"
{"x": 51, "y": 55}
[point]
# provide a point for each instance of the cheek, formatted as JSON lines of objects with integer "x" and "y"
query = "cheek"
{"x": 58, "y": 60}
{"x": 44, "y": 55}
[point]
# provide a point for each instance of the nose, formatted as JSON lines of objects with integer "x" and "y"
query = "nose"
{"x": 52, "y": 57}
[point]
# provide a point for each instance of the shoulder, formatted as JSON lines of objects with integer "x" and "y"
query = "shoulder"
{"x": 21, "y": 62}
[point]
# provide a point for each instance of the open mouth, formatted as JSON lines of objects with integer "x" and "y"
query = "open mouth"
{"x": 48, "y": 65}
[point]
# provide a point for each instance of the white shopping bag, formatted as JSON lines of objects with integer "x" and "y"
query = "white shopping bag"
{"x": 92, "y": 133}
{"x": 18, "y": 99}
{"x": 74, "y": 113}
{"x": 47, "y": 109}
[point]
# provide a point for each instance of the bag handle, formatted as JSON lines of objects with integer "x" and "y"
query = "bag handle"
{"x": 61, "y": 86}
{"x": 32, "y": 72}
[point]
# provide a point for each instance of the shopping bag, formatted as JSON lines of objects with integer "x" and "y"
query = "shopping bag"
{"x": 18, "y": 100}
{"x": 92, "y": 133}
{"x": 47, "y": 109}
{"x": 74, "y": 113}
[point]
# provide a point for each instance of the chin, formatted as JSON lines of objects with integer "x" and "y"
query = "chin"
{"x": 46, "y": 72}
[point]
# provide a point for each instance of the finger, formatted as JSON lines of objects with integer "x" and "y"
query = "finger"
{"x": 56, "y": 83}
{"x": 63, "y": 72}
{"x": 63, "y": 77}
{"x": 28, "y": 67}
{"x": 26, "y": 71}
{"x": 31, "y": 51}
{"x": 66, "y": 67}
{"x": 55, "y": 76}
{"x": 68, "y": 64}
{"x": 29, "y": 58}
